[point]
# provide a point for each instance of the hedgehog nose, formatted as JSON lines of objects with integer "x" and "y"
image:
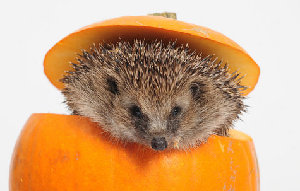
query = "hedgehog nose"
{"x": 159, "y": 143}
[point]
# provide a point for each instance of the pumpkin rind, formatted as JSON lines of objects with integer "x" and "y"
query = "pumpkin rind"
{"x": 63, "y": 152}
{"x": 201, "y": 39}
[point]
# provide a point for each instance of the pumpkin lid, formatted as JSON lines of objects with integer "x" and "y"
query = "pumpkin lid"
{"x": 149, "y": 28}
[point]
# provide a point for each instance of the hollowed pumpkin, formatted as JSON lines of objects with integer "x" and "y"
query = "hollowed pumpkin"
{"x": 67, "y": 153}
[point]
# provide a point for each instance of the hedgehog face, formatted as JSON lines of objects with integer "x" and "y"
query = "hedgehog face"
{"x": 160, "y": 96}
{"x": 156, "y": 122}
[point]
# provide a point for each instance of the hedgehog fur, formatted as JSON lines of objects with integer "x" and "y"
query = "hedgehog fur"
{"x": 160, "y": 95}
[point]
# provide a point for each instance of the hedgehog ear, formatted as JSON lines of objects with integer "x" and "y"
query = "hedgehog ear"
{"x": 112, "y": 85}
{"x": 197, "y": 89}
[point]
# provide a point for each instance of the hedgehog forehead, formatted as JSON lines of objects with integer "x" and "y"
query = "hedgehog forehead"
{"x": 155, "y": 78}
{"x": 157, "y": 71}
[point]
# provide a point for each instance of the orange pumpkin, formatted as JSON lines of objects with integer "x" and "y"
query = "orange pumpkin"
{"x": 201, "y": 39}
{"x": 65, "y": 152}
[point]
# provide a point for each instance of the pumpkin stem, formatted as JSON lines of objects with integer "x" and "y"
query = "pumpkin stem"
{"x": 165, "y": 14}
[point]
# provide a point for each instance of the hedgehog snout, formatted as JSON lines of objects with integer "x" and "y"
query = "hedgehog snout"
{"x": 159, "y": 143}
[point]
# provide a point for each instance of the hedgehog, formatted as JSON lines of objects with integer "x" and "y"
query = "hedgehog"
{"x": 161, "y": 95}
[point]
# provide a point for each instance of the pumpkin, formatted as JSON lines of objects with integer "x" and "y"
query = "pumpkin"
{"x": 65, "y": 152}
{"x": 200, "y": 39}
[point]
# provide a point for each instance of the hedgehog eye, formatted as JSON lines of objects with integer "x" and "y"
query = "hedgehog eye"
{"x": 197, "y": 89}
{"x": 136, "y": 111}
{"x": 194, "y": 89}
{"x": 175, "y": 111}
{"x": 112, "y": 86}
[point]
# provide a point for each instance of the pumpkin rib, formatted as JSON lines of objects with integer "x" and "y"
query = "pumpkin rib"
{"x": 162, "y": 26}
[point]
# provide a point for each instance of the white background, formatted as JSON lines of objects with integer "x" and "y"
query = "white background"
{"x": 268, "y": 30}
